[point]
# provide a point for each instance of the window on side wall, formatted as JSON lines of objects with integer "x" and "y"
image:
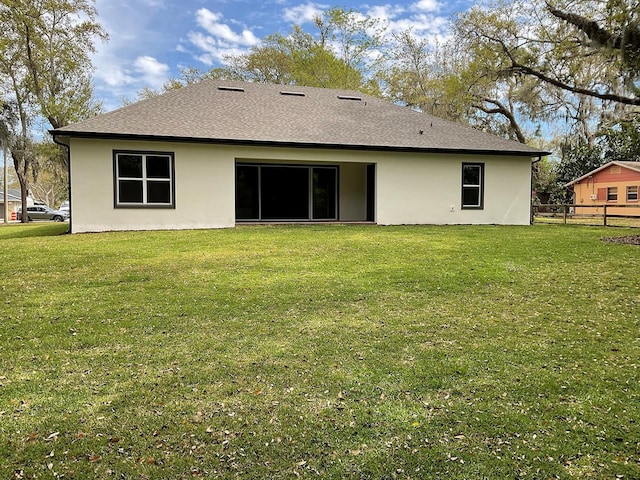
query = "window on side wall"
{"x": 473, "y": 186}
{"x": 612, "y": 194}
{"x": 632, "y": 194}
{"x": 143, "y": 179}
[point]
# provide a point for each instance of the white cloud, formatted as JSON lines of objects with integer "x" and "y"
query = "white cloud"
{"x": 110, "y": 68}
{"x": 218, "y": 39}
{"x": 427, "y": 6}
{"x": 421, "y": 26}
{"x": 304, "y": 13}
{"x": 213, "y": 50}
{"x": 119, "y": 78}
{"x": 115, "y": 77}
{"x": 385, "y": 13}
{"x": 143, "y": 70}
{"x": 210, "y": 21}
{"x": 420, "y": 18}
{"x": 153, "y": 73}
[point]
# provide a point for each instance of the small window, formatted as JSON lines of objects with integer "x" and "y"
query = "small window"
{"x": 144, "y": 179}
{"x": 632, "y": 194}
{"x": 473, "y": 185}
{"x": 612, "y": 194}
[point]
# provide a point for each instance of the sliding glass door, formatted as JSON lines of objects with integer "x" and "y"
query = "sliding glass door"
{"x": 286, "y": 192}
{"x": 325, "y": 193}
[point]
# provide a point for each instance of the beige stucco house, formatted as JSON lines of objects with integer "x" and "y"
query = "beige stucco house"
{"x": 216, "y": 154}
{"x": 13, "y": 204}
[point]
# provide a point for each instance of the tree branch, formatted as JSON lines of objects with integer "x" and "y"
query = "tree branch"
{"x": 589, "y": 27}
{"x": 518, "y": 68}
{"x": 523, "y": 69}
{"x": 502, "y": 110}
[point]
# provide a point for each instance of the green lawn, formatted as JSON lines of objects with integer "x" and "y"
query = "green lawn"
{"x": 333, "y": 351}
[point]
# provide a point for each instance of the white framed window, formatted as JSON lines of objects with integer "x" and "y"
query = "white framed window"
{"x": 632, "y": 193}
{"x": 143, "y": 179}
{"x": 473, "y": 186}
{"x": 612, "y": 194}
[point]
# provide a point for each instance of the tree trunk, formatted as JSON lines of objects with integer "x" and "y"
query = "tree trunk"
{"x": 21, "y": 166}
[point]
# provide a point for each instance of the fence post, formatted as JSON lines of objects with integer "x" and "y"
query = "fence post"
{"x": 564, "y": 214}
{"x": 604, "y": 215}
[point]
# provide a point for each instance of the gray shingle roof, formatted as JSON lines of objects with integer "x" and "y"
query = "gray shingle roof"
{"x": 250, "y": 113}
{"x": 12, "y": 195}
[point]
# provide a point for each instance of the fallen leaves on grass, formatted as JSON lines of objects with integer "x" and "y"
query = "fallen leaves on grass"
{"x": 627, "y": 240}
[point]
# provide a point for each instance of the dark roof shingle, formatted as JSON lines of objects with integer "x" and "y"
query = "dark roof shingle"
{"x": 249, "y": 113}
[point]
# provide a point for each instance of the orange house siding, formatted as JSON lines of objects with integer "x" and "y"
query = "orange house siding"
{"x": 593, "y": 191}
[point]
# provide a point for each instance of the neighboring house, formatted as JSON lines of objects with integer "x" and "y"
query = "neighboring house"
{"x": 616, "y": 183}
{"x": 217, "y": 154}
{"x": 13, "y": 202}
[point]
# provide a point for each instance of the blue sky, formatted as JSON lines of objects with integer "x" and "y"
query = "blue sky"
{"x": 151, "y": 39}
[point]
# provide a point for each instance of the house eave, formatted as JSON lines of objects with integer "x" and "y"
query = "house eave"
{"x": 285, "y": 144}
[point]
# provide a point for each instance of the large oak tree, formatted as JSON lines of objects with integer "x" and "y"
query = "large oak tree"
{"x": 554, "y": 40}
{"x": 45, "y": 68}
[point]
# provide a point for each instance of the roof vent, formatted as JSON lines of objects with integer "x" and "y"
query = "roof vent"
{"x": 231, "y": 89}
{"x": 292, "y": 94}
{"x": 349, "y": 97}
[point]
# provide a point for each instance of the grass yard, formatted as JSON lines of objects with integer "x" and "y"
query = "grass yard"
{"x": 320, "y": 351}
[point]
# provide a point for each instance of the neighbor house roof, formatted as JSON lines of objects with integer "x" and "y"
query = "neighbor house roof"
{"x": 12, "y": 195}
{"x": 215, "y": 111}
{"x": 630, "y": 165}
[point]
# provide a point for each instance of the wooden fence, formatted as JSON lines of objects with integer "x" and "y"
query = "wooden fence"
{"x": 604, "y": 214}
